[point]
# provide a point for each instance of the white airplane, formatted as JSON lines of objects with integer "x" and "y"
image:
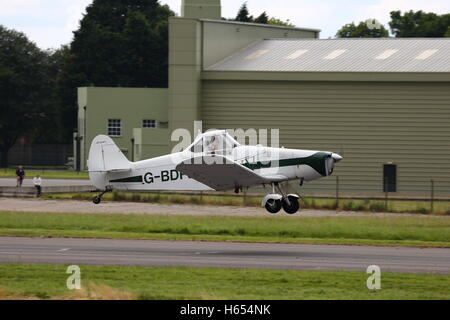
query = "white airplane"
{"x": 214, "y": 161}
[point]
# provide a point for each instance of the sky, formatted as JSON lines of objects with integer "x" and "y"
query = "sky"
{"x": 49, "y": 23}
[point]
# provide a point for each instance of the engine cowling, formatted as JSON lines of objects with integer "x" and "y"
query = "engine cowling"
{"x": 331, "y": 160}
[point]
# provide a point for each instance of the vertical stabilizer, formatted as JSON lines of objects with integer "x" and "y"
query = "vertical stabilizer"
{"x": 104, "y": 156}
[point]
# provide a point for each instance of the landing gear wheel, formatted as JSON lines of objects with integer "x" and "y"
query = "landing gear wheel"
{"x": 97, "y": 200}
{"x": 293, "y": 205}
{"x": 273, "y": 206}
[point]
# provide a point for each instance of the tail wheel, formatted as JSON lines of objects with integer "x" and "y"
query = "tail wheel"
{"x": 273, "y": 206}
{"x": 293, "y": 205}
{"x": 97, "y": 200}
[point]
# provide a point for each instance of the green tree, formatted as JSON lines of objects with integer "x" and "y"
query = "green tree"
{"x": 52, "y": 127}
{"x": 278, "y": 22}
{"x": 365, "y": 29}
{"x": 263, "y": 18}
{"x": 243, "y": 14}
{"x": 447, "y": 34}
{"x": 120, "y": 43}
{"x": 24, "y": 84}
{"x": 419, "y": 24}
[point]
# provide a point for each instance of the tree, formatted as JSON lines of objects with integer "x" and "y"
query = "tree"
{"x": 419, "y": 24}
{"x": 120, "y": 43}
{"x": 243, "y": 14}
{"x": 25, "y": 84}
{"x": 278, "y": 22}
{"x": 52, "y": 127}
{"x": 365, "y": 29}
{"x": 263, "y": 18}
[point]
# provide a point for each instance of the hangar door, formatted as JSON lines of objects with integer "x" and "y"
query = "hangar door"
{"x": 370, "y": 124}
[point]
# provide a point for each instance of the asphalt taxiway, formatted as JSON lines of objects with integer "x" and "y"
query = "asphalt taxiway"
{"x": 222, "y": 254}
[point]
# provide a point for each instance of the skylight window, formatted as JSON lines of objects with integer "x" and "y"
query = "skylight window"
{"x": 386, "y": 54}
{"x": 426, "y": 54}
{"x": 334, "y": 54}
{"x": 296, "y": 54}
{"x": 257, "y": 54}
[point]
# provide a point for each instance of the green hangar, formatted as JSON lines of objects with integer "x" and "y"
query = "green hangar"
{"x": 383, "y": 104}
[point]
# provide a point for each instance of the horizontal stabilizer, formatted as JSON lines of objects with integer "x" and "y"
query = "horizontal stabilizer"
{"x": 119, "y": 170}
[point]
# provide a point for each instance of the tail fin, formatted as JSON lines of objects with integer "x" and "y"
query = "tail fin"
{"x": 105, "y": 156}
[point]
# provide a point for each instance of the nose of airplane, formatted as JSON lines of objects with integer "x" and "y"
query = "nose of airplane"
{"x": 337, "y": 157}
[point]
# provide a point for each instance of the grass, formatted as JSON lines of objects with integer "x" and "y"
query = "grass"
{"x": 394, "y": 206}
{"x": 23, "y": 281}
{"x": 368, "y": 230}
{"x": 45, "y": 174}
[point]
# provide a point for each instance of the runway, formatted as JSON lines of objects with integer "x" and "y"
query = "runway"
{"x": 221, "y": 254}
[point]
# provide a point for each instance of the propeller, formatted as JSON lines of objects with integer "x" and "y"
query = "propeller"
{"x": 333, "y": 158}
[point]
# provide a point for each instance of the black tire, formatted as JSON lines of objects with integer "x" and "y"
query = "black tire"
{"x": 273, "y": 206}
{"x": 293, "y": 205}
{"x": 96, "y": 200}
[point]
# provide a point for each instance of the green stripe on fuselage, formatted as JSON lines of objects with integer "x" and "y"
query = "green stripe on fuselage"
{"x": 315, "y": 161}
{"x": 129, "y": 179}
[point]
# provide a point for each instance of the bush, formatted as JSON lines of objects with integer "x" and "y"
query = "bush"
{"x": 154, "y": 198}
{"x": 353, "y": 206}
{"x": 177, "y": 200}
{"x": 377, "y": 207}
{"x": 195, "y": 200}
{"x": 136, "y": 197}
{"x": 117, "y": 196}
{"x": 422, "y": 210}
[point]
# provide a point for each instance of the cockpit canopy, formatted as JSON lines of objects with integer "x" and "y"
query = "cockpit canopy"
{"x": 214, "y": 142}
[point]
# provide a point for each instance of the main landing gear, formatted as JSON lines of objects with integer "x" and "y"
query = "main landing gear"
{"x": 98, "y": 199}
{"x": 274, "y": 202}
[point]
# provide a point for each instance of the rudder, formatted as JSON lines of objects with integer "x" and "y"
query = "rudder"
{"x": 104, "y": 156}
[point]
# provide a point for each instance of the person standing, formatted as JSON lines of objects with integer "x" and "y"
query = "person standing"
{"x": 20, "y": 175}
{"x": 38, "y": 185}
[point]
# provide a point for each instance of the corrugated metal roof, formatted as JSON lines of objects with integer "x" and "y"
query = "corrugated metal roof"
{"x": 341, "y": 55}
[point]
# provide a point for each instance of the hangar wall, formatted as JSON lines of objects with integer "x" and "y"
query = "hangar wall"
{"x": 369, "y": 123}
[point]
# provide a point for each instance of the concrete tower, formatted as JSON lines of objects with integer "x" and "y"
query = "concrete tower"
{"x": 185, "y": 62}
{"x": 201, "y": 9}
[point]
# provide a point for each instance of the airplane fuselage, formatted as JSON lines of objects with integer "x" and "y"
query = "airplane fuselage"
{"x": 160, "y": 173}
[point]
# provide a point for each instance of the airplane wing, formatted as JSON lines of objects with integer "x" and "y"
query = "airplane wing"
{"x": 220, "y": 173}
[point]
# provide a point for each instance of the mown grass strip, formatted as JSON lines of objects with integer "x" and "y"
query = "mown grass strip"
{"x": 411, "y": 231}
{"x": 23, "y": 281}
